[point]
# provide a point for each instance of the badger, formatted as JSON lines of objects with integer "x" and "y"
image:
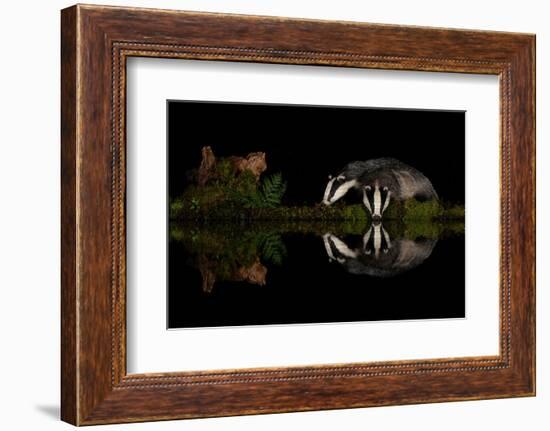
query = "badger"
{"x": 378, "y": 256}
{"x": 347, "y": 179}
{"x": 380, "y": 181}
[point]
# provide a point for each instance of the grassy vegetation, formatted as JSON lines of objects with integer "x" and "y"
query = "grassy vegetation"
{"x": 242, "y": 198}
{"x": 193, "y": 208}
{"x": 412, "y": 210}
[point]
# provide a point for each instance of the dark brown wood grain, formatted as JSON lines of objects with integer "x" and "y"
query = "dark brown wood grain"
{"x": 96, "y": 41}
{"x": 68, "y": 217}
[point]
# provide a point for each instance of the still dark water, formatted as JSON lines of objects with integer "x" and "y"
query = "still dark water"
{"x": 234, "y": 276}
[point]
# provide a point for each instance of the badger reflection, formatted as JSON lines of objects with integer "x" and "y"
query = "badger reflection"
{"x": 377, "y": 255}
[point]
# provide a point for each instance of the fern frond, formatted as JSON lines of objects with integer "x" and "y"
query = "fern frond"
{"x": 273, "y": 249}
{"x": 272, "y": 190}
{"x": 268, "y": 194}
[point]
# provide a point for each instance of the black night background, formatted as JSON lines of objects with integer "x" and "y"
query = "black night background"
{"x": 306, "y": 144}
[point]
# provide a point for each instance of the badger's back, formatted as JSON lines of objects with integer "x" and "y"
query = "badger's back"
{"x": 406, "y": 181}
{"x": 355, "y": 169}
{"x": 358, "y": 168}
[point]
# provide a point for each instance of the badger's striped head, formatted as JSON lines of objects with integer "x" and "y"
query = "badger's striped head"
{"x": 336, "y": 188}
{"x": 376, "y": 241}
{"x": 376, "y": 198}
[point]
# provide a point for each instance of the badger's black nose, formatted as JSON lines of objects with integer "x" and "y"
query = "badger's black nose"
{"x": 376, "y": 219}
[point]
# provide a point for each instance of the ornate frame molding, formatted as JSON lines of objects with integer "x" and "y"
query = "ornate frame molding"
{"x": 96, "y": 41}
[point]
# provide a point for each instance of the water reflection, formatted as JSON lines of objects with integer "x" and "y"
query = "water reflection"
{"x": 377, "y": 255}
{"x": 226, "y": 274}
{"x": 232, "y": 252}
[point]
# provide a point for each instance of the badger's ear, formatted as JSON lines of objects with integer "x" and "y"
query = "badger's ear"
{"x": 330, "y": 177}
{"x": 368, "y": 187}
{"x": 341, "y": 177}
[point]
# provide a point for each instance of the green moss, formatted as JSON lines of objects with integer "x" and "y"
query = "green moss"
{"x": 454, "y": 212}
{"x": 408, "y": 211}
{"x": 431, "y": 229}
{"x": 177, "y": 208}
{"x": 317, "y": 212}
{"x": 225, "y": 188}
{"x": 415, "y": 210}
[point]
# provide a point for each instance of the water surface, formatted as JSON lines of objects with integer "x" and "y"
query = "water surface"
{"x": 231, "y": 274}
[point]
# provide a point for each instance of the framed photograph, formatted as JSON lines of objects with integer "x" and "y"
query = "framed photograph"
{"x": 265, "y": 215}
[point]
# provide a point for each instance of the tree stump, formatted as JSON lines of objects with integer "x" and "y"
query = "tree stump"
{"x": 253, "y": 162}
{"x": 207, "y": 167}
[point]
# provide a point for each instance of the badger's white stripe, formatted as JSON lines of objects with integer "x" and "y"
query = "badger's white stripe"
{"x": 387, "y": 237}
{"x": 341, "y": 191}
{"x": 377, "y": 201}
{"x": 328, "y": 249}
{"x": 342, "y": 247}
{"x": 387, "y": 202}
{"x": 366, "y": 201}
{"x": 366, "y": 238}
{"x": 377, "y": 240}
{"x": 327, "y": 191}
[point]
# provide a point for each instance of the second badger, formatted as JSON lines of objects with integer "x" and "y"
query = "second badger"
{"x": 380, "y": 181}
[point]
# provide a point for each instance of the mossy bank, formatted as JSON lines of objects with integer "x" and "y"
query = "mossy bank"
{"x": 243, "y": 196}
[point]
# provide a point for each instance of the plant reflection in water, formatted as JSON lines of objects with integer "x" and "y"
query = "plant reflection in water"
{"x": 244, "y": 252}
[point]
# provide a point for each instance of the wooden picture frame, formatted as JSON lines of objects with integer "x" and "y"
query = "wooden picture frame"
{"x": 95, "y": 43}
